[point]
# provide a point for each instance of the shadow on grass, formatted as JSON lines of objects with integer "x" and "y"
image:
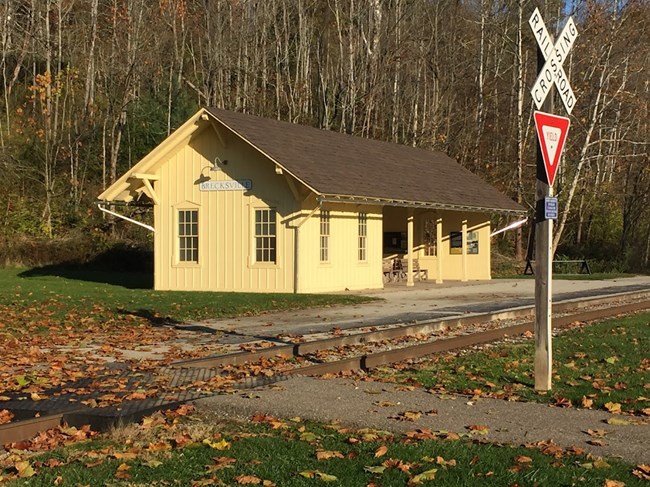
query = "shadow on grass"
{"x": 118, "y": 266}
{"x": 153, "y": 318}
{"x": 129, "y": 280}
{"x": 234, "y": 336}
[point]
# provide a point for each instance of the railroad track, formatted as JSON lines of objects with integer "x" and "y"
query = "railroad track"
{"x": 394, "y": 343}
{"x": 486, "y": 328}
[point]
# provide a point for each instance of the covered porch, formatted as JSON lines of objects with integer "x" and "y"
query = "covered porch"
{"x": 434, "y": 244}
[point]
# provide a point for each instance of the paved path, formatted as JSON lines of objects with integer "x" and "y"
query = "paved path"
{"x": 372, "y": 404}
{"x": 426, "y": 301}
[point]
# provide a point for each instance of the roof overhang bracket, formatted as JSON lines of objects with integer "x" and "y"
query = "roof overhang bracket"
{"x": 148, "y": 187}
{"x": 295, "y": 190}
{"x": 218, "y": 130}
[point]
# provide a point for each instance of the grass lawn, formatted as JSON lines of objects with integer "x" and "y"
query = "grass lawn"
{"x": 190, "y": 450}
{"x": 57, "y": 291}
{"x": 602, "y": 365}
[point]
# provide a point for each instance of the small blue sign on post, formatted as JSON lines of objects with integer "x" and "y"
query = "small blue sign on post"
{"x": 550, "y": 208}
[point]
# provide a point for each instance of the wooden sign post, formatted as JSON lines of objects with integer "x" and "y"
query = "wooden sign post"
{"x": 550, "y": 57}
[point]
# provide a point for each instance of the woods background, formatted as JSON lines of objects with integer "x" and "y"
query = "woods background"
{"x": 90, "y": 86}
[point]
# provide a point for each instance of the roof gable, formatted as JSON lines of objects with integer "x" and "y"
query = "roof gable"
{"x": 132, "y": 183}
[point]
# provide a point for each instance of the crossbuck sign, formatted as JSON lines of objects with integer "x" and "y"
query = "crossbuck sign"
{"x": 554, "y": 55}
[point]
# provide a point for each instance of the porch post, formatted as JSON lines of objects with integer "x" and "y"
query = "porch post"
{"x": 439, "y": 250}
{"x": 464, "y": 250}
{"x": 409, "y": 237}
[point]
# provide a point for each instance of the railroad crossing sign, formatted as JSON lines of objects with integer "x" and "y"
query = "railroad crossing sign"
{"x": 554, "y": 55}
{"x": 551, "y": 132}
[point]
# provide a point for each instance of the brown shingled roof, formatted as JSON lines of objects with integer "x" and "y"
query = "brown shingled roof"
{"x": 340, "y": 165}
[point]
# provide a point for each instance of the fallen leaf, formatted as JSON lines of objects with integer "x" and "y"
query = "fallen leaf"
{"x": 125, "y": 455}
{"x": 313, "y": 474}
{"x": 596, "y": 433}
{"x": 378, "y": 469}
{"x": 217, "y": 445}
{"x": 587, "y": 403}
{"x": 441, "y": 461}
{"x": 381, "y": 451}
{"x": 308, "y": 436}
{"x": 426, "y": 475}
{"x": 211, "y": 482}
{"x": 597, "y": 442}
{"x": 6, "y": 416}
{"x": 479, "y": 429}
{"x": 248, "y": 479}
{"x": 613, "y": 483}
{"x": 327, "y": 454}
{"x": 613, "y": 407}
{"x": 24, "y": 469}
{"x": 618, "y": 421}
{"x": 523, "y": 459}
{"x": 122, "y": 472}
{"x": 408, "y": 416}
{"x": 600, "y": 463}
{"x": 642, "y": 471}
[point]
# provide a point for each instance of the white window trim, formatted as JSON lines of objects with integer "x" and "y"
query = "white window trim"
{"x": 176, "y": 254}
{"x": 253, "y": 240}
{"x": 363, "y": 217}
{"x": 328, "y": 222}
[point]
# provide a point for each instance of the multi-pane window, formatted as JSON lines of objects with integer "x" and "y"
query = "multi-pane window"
{"x": 430, "y": 234}
{"x": 324, "y": 235}
{"x": 188, "y": 235}
{"x": 472, "y": 242}
{"x": 363, "y": 235}
{"x": 455, "y": 242}
{"x": 265, "y": 235}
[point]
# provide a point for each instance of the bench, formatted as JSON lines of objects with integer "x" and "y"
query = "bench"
{"x": 580, "y": 265}
{"x": 419, "y": 274}
{"x": 396, "y": 270}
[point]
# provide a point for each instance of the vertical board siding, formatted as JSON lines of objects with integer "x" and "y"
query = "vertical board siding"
{"x": 343, "y": 270}
{"x": 224, "y": 219}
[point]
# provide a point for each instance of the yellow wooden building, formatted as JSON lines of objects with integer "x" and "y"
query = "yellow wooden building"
{"x": 243, "y": 203}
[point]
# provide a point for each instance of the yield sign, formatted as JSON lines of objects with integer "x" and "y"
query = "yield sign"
{"x": 551, "y": 132}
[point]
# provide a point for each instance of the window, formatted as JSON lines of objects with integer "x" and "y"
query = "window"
{"x": 265, "y": 236}
{"x": 455, "y": 242}
{"x": 188, "y": 236}
{"x": 430, "y": 239}
{"x": 363, "y": 234}
{"x": 472, "y": 242}
{"x": 324, "y": 236}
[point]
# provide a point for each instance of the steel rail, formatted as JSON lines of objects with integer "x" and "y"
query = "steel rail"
{"x": 425, "y": 327}
{"x": 19, "y": 430}
{"x": 373, "y": 360}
